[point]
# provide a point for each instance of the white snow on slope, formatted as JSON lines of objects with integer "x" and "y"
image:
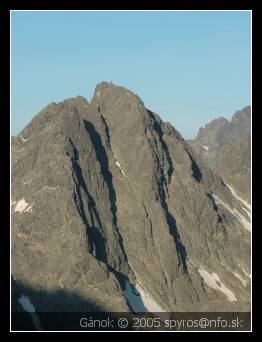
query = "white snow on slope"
{"x": 205, "y": 147}
{"x": 134, "y": 299}
{"x": 246, "y": 224}
{"x": 28, "y": 307}
{"x": 237, "y": 275}
{"x": 241, "y": 218}
{"x": 246, "y": 204}
{"x": 244, "y": 271}
{"x": 29, "y": 209}
{"x": 148, "y": 300}
{"x": 247, "y": 212}
{"x": 213, "y": 281}
{"x": 140, "y": 300}
{"x": 26, "y": 304}
{"x": 23, "y": 139}
{"x": 243, "y": 281}
{"x": 23, "y": 206}
{"x": 119, "y": 166}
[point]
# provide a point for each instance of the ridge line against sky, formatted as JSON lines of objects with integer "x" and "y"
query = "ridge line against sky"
{"x": 189, "y": 67}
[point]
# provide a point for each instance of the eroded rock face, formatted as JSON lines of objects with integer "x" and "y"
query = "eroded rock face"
{"x": 226, "y": 147}
{"x": 115, "y": 195}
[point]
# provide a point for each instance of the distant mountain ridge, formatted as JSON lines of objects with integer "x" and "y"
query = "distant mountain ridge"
{"x": 226, "y": 147}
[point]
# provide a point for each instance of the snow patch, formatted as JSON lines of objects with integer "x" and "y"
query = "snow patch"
{"x": 246, "y": 211}
{"x": 246, "y": 224}
{"x": 205, "y": 147}
{"x": 243, "y": 281}
{"x": 28, "y": 307}
{"x": 245, "y": 272}
{"x": 133, "y": 297}
{"x": 140, "y": 300}
{"x": 213, "y": 281}
{"x": 119, "y": 166}
{"x": 246, "y": 204}
{"x": 148, "y": 300}
{"x": 237, "y": 275}
{"x": 29, "y": 209}
{"x": 234, "y": 212}
{"x": 26, "y": 304}
{"x": 22, "y": 206}
{"x": 23, "y": 139}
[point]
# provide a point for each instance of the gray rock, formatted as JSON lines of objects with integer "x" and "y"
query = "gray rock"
{"x": 226, "y": 147}
{"x": 105, "y": 193}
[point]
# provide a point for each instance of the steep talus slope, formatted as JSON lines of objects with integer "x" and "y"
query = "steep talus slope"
{"x": 226, "y": 148}
{"x": 106, "y": 194}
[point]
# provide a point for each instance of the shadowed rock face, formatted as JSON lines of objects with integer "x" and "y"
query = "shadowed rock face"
{"x": 105, "y": 193}
{"x": 226, "y": 148}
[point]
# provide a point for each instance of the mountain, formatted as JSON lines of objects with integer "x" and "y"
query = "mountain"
{"x": 114, "y": 211}
{"x": 226, "y": 147}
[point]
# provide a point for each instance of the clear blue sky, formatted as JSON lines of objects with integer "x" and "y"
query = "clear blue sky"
{"x": 189, "y": 67}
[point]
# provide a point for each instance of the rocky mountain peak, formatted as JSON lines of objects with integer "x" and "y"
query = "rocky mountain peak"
{"x": 107, "y": 95}
{"x": 225, "y": 146}
{"x": 241, "y": 120}
{"x": 106, "y": 197}
{"x": 213, "y": 131}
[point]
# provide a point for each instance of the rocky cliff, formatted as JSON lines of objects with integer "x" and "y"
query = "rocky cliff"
{"x": 110, "y": 202}
{"x": 226, "y": 148}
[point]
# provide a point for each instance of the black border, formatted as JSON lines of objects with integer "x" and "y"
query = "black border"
{"x": 6, "y": 7}
{"x": 114, "y": 5}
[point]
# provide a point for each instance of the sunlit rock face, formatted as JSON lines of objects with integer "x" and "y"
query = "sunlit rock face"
{"x": 226, "y": 148}
{"x": 106, "y": 194}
